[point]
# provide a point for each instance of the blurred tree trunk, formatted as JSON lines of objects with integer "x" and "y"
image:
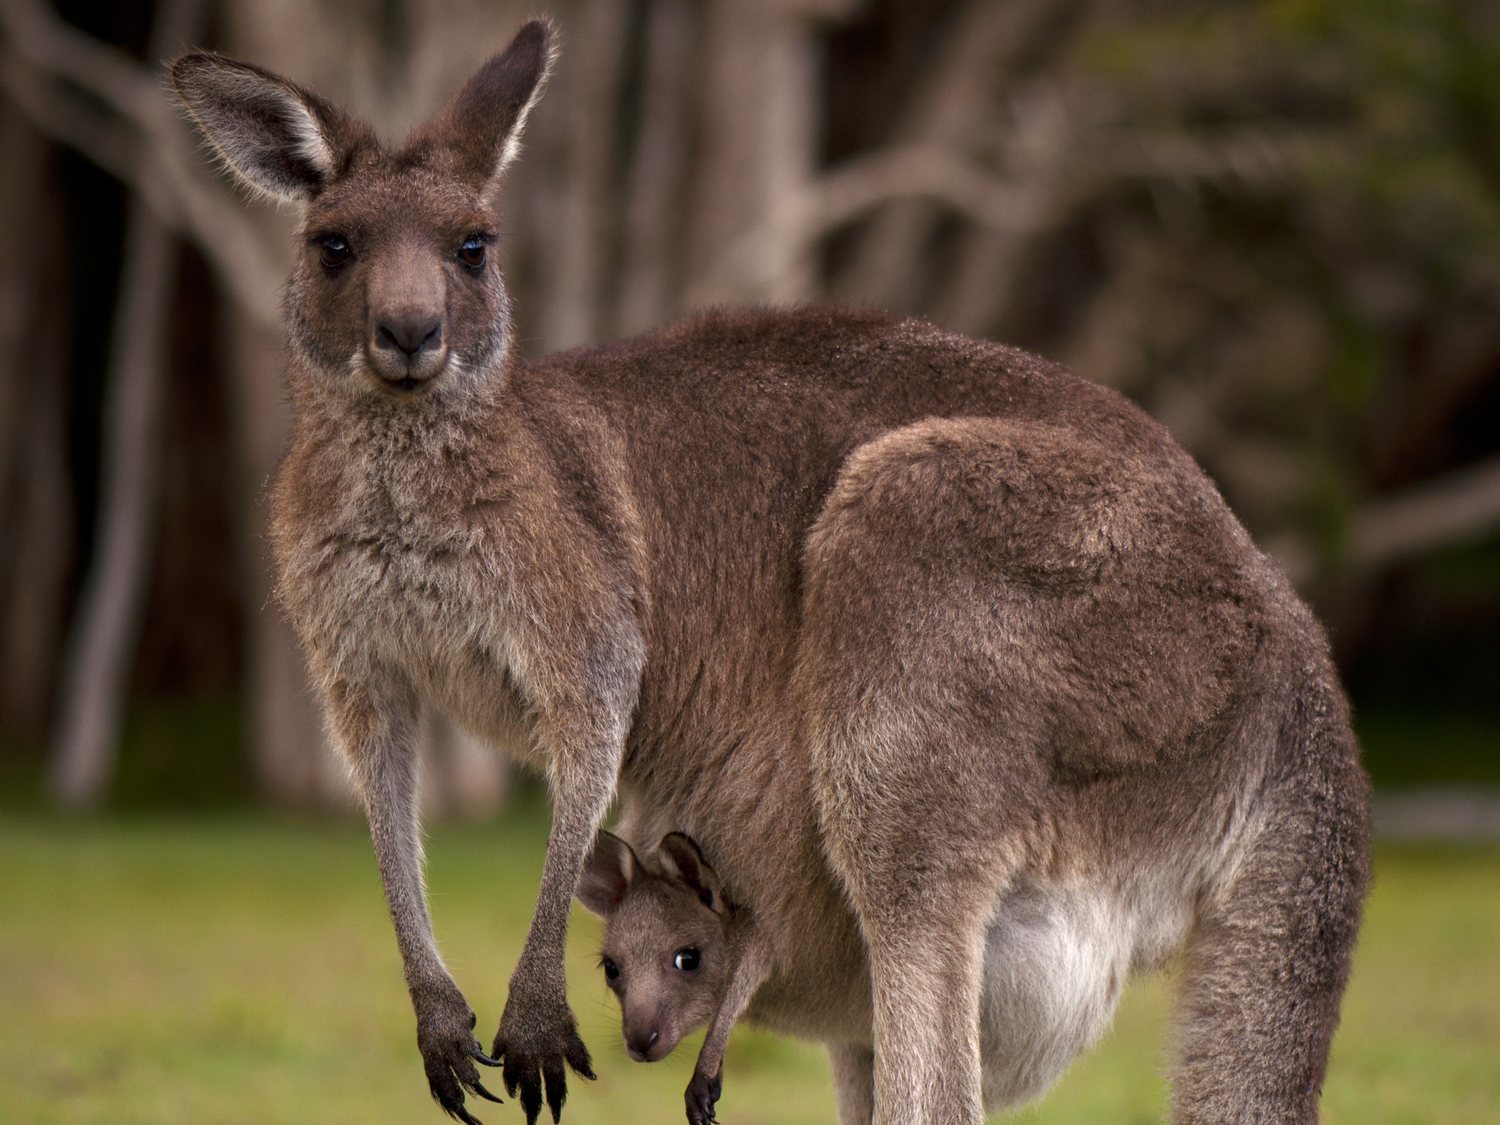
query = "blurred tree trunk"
{"x": 462, "y": 776}
{"x": 946, "y": 108}
{"x": 35, "y": 505}
{"x": 284, "y": 729}
{"x": 657, "y": 169}
{"x": 95, "y": 676}
{"x": 577, "y": 151}
{"x": 757, "y": 148}
{"x": 981, "y": 286}
{"x": 106, "y": 626}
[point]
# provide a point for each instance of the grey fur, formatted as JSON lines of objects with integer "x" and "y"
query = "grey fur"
{"x": 908, "y": 630}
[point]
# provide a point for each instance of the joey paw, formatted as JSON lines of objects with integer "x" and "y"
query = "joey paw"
{"x": 702, "y": 1092}
{"x": 535, "y": 1045}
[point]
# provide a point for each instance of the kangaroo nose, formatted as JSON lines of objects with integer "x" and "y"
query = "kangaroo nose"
{"x": 409, "y": 334}
{"x": 641, "y": 1042}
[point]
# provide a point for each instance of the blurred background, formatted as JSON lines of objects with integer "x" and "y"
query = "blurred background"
{"x": 1274, "y": 224}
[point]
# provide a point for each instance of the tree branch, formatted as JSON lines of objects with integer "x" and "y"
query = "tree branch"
{"x": 860, "y": 185}
{"x": 974, "y": 65}
{"x": 1458, "y": 508}
{"x": 106, "y": 72}
{"x": 41, "y": 50}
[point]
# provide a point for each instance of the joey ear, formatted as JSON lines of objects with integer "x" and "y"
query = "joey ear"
{"x": 275, "y": 136}
{"x": 483, "y": 122}
{"x": 607, "y": 873}
{"x": 681, "y": 859}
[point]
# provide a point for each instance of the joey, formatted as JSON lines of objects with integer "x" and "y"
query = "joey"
{"x": 674, "y": 954}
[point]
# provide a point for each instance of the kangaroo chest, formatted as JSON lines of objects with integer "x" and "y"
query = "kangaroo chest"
{"x": 391, "y": 582}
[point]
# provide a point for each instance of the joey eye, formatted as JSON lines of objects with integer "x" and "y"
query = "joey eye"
{"x": 471, "y": 253}
{"x": 686, "y": 960}
{"x": 611, "y": 970}
{"x": 334, "y": 251}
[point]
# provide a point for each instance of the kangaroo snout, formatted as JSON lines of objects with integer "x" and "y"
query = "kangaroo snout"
{"x": 645, "y": 1044}
{"x": 407, "y": 347}
{"x": 409, "y": 334}
{"x": 651, "y": 1031}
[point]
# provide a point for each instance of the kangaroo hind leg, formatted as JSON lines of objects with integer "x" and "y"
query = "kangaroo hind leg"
{"x": 1269, "y": 957}
{"x": 925, "y": 974}
{"x": 920, "y": 740}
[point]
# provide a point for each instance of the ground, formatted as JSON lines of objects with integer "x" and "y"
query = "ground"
{"x": 242, "y": 969}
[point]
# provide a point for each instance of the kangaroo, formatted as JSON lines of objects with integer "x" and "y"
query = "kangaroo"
{"x": 1002, "y": 630}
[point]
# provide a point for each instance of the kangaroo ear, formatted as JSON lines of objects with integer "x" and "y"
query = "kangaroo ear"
{"x": 275, "y": 136}
{"x": 607, "y": 874}
{"x": 483, "y": 122}
{"x": 682, "y": 860}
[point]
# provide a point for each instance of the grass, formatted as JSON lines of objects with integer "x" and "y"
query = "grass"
{"x": 243, "y": 970}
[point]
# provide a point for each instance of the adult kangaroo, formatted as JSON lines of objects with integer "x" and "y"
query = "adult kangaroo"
{"x": 1006, "y": 630}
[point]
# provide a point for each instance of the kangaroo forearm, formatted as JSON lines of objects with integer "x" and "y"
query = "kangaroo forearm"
{"x": 581, "y": 797}
{"x": 582, "y": 736}
{"x": 711, "y": 1056}
{"x": 586, "y": 693}
{"x": 376, "y": 731}
{"x": 751, "y": 970}
{"x": 538, "y": 1035}
{"x": 400, "y": 872}
{"x": 547, "y": 937}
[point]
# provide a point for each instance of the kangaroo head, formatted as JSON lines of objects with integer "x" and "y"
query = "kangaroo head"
{"x": 667, "y": 946}
{"x": 395, "y": 291}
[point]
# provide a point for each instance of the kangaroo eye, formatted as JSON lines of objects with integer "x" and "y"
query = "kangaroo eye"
{"x": 471, "y": 253}
{"x": 611, "y": 970}
{"x": 335, "y": 251}
{"x": 687, "y": 960}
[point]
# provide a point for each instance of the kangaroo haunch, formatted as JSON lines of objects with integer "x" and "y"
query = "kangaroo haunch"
{"x": 957, "y": 666}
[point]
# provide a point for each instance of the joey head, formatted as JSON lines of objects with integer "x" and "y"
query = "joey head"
{"x": 670, "y": 951}
{"x": 666, "y": 946}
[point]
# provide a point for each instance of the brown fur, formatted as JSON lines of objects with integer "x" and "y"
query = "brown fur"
{"x": 899, "y": 625}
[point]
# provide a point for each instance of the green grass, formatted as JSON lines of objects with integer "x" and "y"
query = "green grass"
{"x": 243, "y": 970}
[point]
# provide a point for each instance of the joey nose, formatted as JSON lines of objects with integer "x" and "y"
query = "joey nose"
{"x": 639, "y": 1043}
{"x": 409, "y": 334}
